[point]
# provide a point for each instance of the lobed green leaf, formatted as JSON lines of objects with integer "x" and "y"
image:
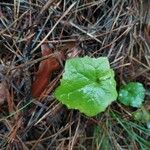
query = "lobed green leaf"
{"x": 132, "y": 94}
{"x": 87, "y": 85}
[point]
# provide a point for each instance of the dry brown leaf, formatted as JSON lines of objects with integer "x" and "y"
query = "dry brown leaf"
{"x": 43, "y": 75}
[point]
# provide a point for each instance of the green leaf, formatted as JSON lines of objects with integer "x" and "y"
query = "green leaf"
{"x": 142, "y": 115}
{"x": 87, "y": 85}
{"x": 132, "y": 94}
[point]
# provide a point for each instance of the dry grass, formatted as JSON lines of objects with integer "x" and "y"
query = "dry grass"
{"x": 112, "y": 28}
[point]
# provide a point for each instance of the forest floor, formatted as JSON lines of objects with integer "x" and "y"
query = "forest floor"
{"x": 33, "y": 31}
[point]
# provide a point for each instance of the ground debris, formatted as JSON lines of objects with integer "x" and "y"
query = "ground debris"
{"x": 30, "y": 70}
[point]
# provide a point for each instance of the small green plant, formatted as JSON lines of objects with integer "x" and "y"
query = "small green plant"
{"x": 88, "y": 85}
{"x": 132, "y": 94}
{"x": 142, "y": 115}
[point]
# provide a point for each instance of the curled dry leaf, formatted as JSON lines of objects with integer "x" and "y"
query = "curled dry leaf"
{"x": 43, "y": 75}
